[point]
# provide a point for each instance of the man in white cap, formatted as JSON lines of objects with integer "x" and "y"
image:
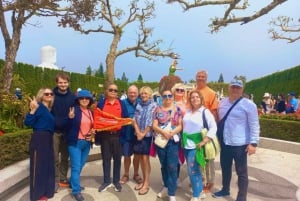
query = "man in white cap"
{"x": 240, "y": 137}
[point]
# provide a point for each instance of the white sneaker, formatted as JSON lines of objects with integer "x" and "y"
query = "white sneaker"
{"x": 172, "y": 198}
{"x": 194, "y": 199}
{"x": 202, "y": 195}
{"x": 163, "y": 193}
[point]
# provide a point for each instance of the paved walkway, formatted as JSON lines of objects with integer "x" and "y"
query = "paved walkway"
{"x": 274, "y": 176}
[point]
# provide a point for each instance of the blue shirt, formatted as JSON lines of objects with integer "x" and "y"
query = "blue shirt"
{"x": 41, "y": 120}
{"x": 294, "y": 103}
{"x": 242, "y": 124}
{"x": 127, "y": 133}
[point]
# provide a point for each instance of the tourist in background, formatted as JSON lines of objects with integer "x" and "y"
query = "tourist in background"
{"x": 110, "y": 139}
{"x": 240, "y": 137}
{"x": 42, "y": 184}
{"x": 79, "y": 138}
{"x": 292, "y": 104}
{"x": 193, "y": 142}
{"x": 280, "y": 106}
{"x": 143, "y": 118}
{"x": 64, "y": 100}
{"x": 166, "y": 114}
{"x": 210, "y": 102}
{"x": 128, "y": 138}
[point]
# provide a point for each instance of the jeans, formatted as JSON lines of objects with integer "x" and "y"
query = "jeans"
{"x": 239, "y": 155}
{"x": 62, "y": 165}
{"x": 168, "y": 158}
{"x": 193, "y": 171}
{"x": 111, "y": 148}
{"x": 78, "y": 156}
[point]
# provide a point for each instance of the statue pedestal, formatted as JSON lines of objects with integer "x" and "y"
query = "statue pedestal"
{"x": 167, "y": 82}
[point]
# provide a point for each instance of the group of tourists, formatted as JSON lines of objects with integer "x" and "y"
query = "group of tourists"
{"x": 137, "y": 127}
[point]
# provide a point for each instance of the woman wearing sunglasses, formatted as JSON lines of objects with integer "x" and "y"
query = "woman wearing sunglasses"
{"x": 166, "y": 114}
{"x": 79, "y": 138}
{"x": 42, "y": 171}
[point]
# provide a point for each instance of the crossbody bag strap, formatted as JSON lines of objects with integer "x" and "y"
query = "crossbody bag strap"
{"x": 226, "y": 115}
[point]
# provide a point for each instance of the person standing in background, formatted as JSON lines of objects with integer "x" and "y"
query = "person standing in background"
{"x": 210, "y": 102}
{"x": 42, "y": 184}
{"x": 128, "y": 138}
{"x": 240, "y": 137}
{"x": 64, "y": 100}
{"x": 79, "y": 138}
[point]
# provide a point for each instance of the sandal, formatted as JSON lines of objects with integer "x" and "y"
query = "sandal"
{"x": 124, "y": 179}
{"x": 138, "y": 179}
{"x": 138, "y": 187}
{"x": 143, "y": 191}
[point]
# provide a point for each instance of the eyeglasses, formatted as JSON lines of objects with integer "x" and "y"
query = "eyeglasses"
{"x": 167, "y": 96}
{"x": 180, "y": 90}
{"x": 48, "y": 94}
{"x": 84, "y": 98}
{"x": 113, "y": 90}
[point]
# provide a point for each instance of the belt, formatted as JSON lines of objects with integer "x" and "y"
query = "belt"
{"x": 111, "y": 132}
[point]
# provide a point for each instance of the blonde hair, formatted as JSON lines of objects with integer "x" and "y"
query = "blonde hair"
{"x": 147, "y": 90}
{"x": 200, "y": 96}
{"x": 40, "y": 95}
{"x": 177, "y": 85}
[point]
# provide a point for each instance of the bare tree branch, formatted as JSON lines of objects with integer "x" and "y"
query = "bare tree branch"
{"x": 283, "y": 25}
{"x": 229, "y": 15}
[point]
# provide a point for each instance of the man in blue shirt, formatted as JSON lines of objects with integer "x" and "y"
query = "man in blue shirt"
{"x": 240, "y": 137}
{"x": 292, "y": 103}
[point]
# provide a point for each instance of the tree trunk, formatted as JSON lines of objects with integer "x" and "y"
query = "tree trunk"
{"x": 10, "y": 57}
{"x": 111, "y": 58}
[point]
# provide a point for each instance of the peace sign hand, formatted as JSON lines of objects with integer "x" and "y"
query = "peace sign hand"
{"x": 71, "y": 113}
{"x": 33, "y": 105}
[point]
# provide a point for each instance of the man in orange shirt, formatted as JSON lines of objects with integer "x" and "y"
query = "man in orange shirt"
{"x": 110, "y": 139}
{"x": 211, "y": 102}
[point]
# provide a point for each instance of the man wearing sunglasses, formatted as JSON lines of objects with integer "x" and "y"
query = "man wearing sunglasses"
{"x": 110, "y": 138}
{"x": 211, "y": 102}
{"x": 63, "y": 101}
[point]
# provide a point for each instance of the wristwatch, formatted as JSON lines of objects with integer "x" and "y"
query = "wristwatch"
{"x": 254, "y": 144}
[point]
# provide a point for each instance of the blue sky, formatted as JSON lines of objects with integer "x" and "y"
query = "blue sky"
{"x": 236, "y": 50}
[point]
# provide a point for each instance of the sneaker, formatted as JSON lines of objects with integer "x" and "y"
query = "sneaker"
{"x": 163, "y": 193}
{"x": 43, "y": 198}
{"x": 118, "y": 187}
{"x": 104, "y": 187}
{"x": 220, "y": 194}
{"x": 78, "y": 197}
{"x": 194, "y": 199}
{"x": 64, "y": 183}
{"x": 202, "y": 195}
{"x": 172, "y": 198}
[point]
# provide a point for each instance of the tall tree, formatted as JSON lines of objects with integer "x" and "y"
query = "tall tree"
{"x": 101, "y": 71}
{"x": 124, "y": 78}
{"x": 221, "y": 79}
{"x": 233, "y": 9}
{"x": 102, "y": 17}
{"x": 88, "y": 70}
{"x": 140, "y": 78}
{"x": 19, "y": 12}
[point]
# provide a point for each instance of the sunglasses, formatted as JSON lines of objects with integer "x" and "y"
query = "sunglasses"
{"x": 84, "y": 98}
{"x": 48, "y": 94}
{"x": 167, "y": 96}
{"x": 113, "y": 90}
{"x": 180, "y": 90}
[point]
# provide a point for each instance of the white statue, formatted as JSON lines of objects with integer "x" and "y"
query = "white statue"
{"x": 48, "y": 57}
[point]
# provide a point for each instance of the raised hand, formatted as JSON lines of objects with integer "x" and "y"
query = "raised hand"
{"x": 71, "y": 113}
{"x": 33, "y": 105}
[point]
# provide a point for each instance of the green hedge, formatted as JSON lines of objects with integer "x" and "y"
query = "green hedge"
{"x": 15, "y": 146}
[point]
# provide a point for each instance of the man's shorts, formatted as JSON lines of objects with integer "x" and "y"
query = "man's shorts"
{"x": 127, "y": 149}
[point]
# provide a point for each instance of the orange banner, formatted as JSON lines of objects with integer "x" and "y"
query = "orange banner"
{"x": 105, "y": 121}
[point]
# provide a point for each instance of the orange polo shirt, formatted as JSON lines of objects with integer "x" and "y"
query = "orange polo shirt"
{"x": 114, "y": 109}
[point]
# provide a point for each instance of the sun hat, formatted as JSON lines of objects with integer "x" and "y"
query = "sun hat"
{"x": 84, "y": 94}
{"x": 292, "y": 94}
{"x": 266, "y": 95}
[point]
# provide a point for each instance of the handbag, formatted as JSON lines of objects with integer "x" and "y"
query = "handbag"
{"x": 152, "y": 149}
{"x": 212, "y": 148}
{"x": 221, "y": 123}
{"x": 160, "y": 140}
